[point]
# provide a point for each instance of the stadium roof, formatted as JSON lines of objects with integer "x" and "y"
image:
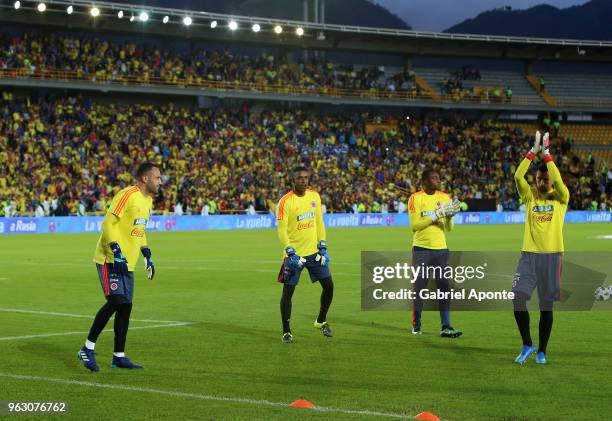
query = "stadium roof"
{"x": 320, "y": 36}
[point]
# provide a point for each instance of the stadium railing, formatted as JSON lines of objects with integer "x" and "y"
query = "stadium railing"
{"x": 286, "y": 89}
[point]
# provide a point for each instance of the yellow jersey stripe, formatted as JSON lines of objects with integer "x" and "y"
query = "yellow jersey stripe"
{"x": 281, "y": 205}
{"x": 124, "y": 199}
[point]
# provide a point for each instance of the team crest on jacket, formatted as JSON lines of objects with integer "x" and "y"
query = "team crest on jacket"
{"x": 313, "y": 204}
{"x": 439, "y": 204}
{"x": 114, "y": 286}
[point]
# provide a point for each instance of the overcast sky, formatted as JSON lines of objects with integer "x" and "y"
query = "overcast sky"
{"x": 438, "y": 15}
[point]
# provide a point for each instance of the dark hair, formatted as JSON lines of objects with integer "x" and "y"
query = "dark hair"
{"x": 427, "y": 172}
{"x": 299, "y": 168}
{"x": 543, "y": 167}
{"x": 144, "y": 168}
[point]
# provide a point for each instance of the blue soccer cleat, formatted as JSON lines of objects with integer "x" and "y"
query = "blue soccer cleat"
{"x": 89, "y": 359}
{"x": 525, "y": 353}
{"x": 123, "y": 362}
{"x": 540, "y": 358}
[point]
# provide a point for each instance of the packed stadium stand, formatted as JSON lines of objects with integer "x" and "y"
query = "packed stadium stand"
{"x": 103, "y": 59}
{"x": 68, "y": 150}
{"x": 67, "y": 146}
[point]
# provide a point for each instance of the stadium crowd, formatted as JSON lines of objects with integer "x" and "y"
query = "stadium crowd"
{"x": 103, "y": 60}
{"x": 65, "y": 155}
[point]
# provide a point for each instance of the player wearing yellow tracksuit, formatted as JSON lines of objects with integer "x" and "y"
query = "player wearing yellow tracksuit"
{"x": 301, "y": 232}
{"x": 122, "y": 240}
{"x": 542, "y": 251}
{"x": 431, "y": 216}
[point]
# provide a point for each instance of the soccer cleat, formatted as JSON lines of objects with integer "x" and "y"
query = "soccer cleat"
{"x": 287, "y": 338}
{"x": 89, "y": 359}
{"x": 450, "y": 332}
{"x": 416, "y": 330}
{"x": 123, "y": 362}
{"x": 540, "y": 358}
{"x": 525, "y": 353}
{"x": 324, "y": 327}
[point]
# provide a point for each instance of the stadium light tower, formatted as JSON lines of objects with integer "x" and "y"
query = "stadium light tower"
{"x": 256, "y": 27}
{"x": 41, "y": 7}
{"x": 299, "y": 31}
{"x": 233, "y": 25}
{"x": 187, "y": 21}
{"x": 144, "y": 16}
{"x": 95, "y": 12}
{"x": 278, "y": 29}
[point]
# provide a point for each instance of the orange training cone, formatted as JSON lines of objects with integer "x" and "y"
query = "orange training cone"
{"x": 302, "y": 403}
{"x": 426, "y": 416}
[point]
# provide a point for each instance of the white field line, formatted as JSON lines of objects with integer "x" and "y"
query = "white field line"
{"x": 46, "y": 335}
{"x": 79, "y": 316}
{"x": 201, "y": 396}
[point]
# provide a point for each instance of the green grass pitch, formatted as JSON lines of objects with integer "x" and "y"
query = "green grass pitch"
{"x": 224, "y": 284}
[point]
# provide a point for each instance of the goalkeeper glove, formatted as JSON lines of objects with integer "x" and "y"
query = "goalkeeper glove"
{"x": 440, "y": 213}
{"x": 546, "y": 148}
{"x": 452, "y": 208}
{"x": 120, "y": 265}
{"x": 536, "y": 146}
{"x": 322, "y": 256}
{"x": 293, "y": 262}
{"x": 146, "y": 253}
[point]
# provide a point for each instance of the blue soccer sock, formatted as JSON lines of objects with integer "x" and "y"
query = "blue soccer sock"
{"x": 445, "y": 318}
{"x": 416, "y": 318}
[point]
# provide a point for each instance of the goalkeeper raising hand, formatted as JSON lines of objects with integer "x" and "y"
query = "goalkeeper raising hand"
{"x": 431, "y": 213}
{"x": 542, "y": 251}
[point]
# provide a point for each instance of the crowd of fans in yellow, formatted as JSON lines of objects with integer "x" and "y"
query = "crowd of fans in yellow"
{"x": 69, "y": 155}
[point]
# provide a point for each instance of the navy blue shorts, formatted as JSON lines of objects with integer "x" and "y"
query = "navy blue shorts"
{"x": 315, "y": 270}
{"x": 113, "y": 284}
{"x": 541, "y": 270}
{"x": 430, "y": 258}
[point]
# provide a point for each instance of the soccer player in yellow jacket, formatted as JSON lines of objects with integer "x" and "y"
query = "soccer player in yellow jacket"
{"x": 123, "y": 238}
{"x": 542, "y": 251}
{"x": 431, "y": 214}
{"x": 302, "y": 234}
